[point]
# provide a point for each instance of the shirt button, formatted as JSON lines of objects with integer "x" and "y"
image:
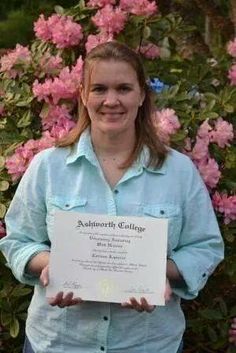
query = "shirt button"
{"x": 162, "y": 212}
{"x": 116, "y": 191}
{"x": 102, "y": 348}
{"x": 105, "y": 318}
{"x": 204, "y": 275}
{"x": 67, "y": 205}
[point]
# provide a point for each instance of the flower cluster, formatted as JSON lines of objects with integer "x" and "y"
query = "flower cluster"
{"x": 150, "y": 51}
{"x": 156, "y": 85}
{"x": 109, "y": 19}
{"x": 100, "y": 3}
{"x": 226, "y": 205}
{"x": 60, "y": 30}
{"x": 19, "y": 161}
{"x": 231, "y": 48}
{"x": 166, "y": 123}
{"x": 65, "y": 86}
{"x": 50, "y": 65}
{"x": 221, "y": 134}
{"x": 16, "y": 62}
{"x": 95, "y": 39}
{"x": 57, "y": 120}
{"x": 232, "y": 75}
{"x": 139, "y": 7}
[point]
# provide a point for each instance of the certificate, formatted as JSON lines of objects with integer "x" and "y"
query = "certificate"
{"x": 108, "y": 258}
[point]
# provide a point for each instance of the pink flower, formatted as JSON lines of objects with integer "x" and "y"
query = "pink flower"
{"x": 226, "y": 205}
{"x": 204, "y": 130}
{"x": 232, "y": 75}
{"x": 62, "y": 127}
{"x": 200, "y": 150}
{"x": 139, "y": 7}
{"x": 166, "y": 123}
{"x": 66, "y": 33}
{"x": 209, "y": 171}
{"x": 2, "y": 230}
{"x": 50, "y": 65}
{"x": 54, "y": 114}
{"x": 61, "y": 30}
{"x": 66, "y": 86}
{"x": 231, "y": 48}
{"x": 42, "y": 29}
{"x": 150, "y": 51}
{"x": 223, "y": 133}
{"x": 100, "y": 3}
{"x": 94, "y": 40}
{"x": 16, "y": 61}
{"x": 20, "y": 160}
{"x": 109, "y": 19}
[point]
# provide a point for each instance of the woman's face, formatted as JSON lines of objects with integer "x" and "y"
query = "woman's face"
{"x": 112, "y": 96}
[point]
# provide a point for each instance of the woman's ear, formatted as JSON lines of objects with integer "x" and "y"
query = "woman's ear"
{"x": 142, "y": 99}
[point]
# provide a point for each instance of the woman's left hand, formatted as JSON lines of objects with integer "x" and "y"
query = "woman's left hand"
{"x": 138, "y": 306}
{"x": 143, "y": 304}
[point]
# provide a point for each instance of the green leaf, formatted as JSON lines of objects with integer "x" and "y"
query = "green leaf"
{"x": 3, "y": 210}
{"x": 14, "y": 327}
{"x": 147, "y": 32}
{"x": 2, "y": 162}
{"x": 212, "y": 334}
{"x": 4, "y": 185}
{"x": 5, "y": 318}
{"x": 211, "y": 115}
{"x": 59, "y": 10}
{"x": 229, "y": 108}
{"x": 233, "y": 311}
{"x": 20, "y": 291}
{"x": 25, "y": 120}
{"x": 211, "y": 314}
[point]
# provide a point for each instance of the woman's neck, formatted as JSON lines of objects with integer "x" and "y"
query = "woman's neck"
{"x": 110, "y": 145}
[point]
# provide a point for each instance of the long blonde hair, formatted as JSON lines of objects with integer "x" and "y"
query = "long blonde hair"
{"x": 145, "y": 131}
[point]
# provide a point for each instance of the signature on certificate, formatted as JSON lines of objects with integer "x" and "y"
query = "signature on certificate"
{"x": 72, "y": 285}
{"x": 139, "y": 290}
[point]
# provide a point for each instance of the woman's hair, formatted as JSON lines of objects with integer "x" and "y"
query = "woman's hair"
{"x": 145, "y": 130}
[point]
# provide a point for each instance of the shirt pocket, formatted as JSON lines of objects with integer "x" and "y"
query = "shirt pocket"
{"x": 63, "y": 204}
{"x": 171, "y": 212}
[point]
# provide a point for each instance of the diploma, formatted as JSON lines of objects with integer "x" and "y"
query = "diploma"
{"x": 108, "y": 258}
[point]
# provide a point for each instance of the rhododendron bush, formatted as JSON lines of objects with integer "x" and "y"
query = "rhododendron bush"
{"x": 195, "y": 100}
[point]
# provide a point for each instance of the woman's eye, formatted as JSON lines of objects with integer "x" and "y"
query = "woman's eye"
{"x": 124, "y": 88}
{"x": 98, "y": 89}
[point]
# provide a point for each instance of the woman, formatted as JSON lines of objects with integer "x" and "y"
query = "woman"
{"x": 112, "y": 163}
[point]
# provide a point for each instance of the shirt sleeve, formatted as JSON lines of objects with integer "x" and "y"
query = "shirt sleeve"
{"x": 201, "y": 246}
{"x": 26, "y": 222}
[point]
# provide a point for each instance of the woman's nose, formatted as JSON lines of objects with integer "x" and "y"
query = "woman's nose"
{"x": 111, "y": 98}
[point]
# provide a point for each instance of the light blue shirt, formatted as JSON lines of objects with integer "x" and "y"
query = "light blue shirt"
{"x": 72, "y": 180}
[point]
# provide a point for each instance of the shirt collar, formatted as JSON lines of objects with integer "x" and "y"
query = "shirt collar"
{"x": 81, "y": 148}
{"x": 84, "y": 148}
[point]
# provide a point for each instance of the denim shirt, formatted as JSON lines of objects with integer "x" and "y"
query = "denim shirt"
{"x": 71, "y": 179}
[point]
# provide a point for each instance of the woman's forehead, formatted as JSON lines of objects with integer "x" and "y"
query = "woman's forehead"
{"x": 110, "y": 70}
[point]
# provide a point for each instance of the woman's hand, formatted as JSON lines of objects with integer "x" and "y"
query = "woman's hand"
{"x": 138, "y": 306}
{"x": 143, "y": 304}
{"x": 61, "y": 300}
{"x": 232, "y": 332}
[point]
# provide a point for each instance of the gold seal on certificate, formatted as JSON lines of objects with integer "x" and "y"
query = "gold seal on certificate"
{"x": 108, "y": 258}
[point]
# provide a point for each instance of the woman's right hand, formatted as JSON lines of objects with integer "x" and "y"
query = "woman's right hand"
{"x": 61, "y": 300}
